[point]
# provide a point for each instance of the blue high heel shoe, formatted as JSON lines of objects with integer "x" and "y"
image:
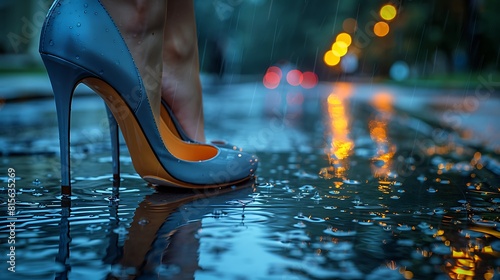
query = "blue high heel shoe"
{"x": 81, "y": 44}
{"x": 173, "y": 124}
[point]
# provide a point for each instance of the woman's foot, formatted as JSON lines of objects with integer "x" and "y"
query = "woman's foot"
{"x": 162, "y": 38}
{"x": 141, "y": 24}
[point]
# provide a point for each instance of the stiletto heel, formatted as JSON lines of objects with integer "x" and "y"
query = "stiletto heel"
{"x": 96, "y": 55}
{"x": 63, "y": 83}
{"x": 115, "y": 149}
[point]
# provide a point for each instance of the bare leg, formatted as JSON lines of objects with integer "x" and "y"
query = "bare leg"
{"x": 181, "y": 86}
{"x": 141, "y": 23}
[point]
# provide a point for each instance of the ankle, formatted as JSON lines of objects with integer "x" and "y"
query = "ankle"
{"x": 136, "y": 17}
{"x": 181, "y": 49}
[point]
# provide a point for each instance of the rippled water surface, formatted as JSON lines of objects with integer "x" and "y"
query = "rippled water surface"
{"x": 355, "y": 182}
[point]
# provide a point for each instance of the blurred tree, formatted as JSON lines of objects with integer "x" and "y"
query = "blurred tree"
{"x": 433, "y": 37}
{"x": 267, "y": 32}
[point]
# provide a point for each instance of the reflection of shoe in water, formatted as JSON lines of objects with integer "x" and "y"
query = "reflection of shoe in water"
{"x": 86, "y": 47}
{"x": 163, "y": 231}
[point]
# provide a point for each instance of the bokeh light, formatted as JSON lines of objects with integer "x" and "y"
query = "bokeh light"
{"x": 309, "y": 79}
{"x": 339, "y": 48}
{"x": 381, "y": 29}
{"x": 272, "y": 78}
{"x": 349, "y": 63}
{"x": 344, "y": 37}
{"x": 331, "y": 59}
{"x": 294, "y": 77}
{"x": 349, "y": 25}
{"x": 275, "y": 69}
{"x": 388, "y": 12}
{"x": 399, "y": 71}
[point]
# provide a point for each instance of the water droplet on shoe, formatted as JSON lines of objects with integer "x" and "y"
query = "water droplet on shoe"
{"x": 51, "y": 43}
{"x": 78, "y": 24}
{"x": 85, "y": 5}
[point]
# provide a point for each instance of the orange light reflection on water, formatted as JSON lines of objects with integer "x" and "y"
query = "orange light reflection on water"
{"x": 341, "y": 145}
{"x": 383, "y": 103}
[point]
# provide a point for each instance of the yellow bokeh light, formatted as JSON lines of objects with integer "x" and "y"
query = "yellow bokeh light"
{"x": 381, "y": 29}
{"x": 331, "y": 59}
{"x": 339, "y": 48}
{"x": 344, "y": 37}
{"x": 388, "y": 12}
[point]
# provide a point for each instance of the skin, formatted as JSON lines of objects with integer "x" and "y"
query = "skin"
{"x": 161, "y": 36}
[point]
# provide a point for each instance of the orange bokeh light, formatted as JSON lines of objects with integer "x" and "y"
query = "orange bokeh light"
{"x": 331, "y": 59}
{"x": 381, "y": 29}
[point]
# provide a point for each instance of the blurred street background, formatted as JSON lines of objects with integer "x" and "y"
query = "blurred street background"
{"x": 438, "y": 41}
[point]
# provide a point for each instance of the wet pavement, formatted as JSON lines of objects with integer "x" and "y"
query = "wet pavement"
{"x": 356, "y": 181}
